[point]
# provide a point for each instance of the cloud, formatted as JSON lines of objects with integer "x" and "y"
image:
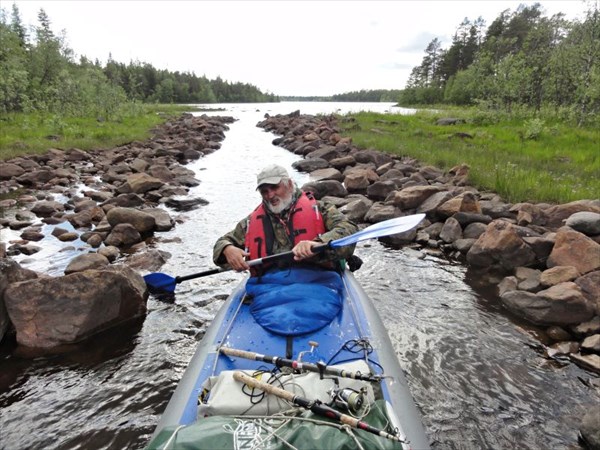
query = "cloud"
{"x": 396, "y": 66}
{"x": 418, "y": 43}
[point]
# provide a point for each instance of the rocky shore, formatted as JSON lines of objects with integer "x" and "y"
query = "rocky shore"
{"x": 111, "y": 209}
{"x": 544, "y": 259}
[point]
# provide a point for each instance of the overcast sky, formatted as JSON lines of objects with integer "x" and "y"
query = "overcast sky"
{"x": 283, "y": 47}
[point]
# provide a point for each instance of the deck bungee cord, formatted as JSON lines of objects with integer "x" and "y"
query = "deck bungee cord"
{"x": 315, "y": 406}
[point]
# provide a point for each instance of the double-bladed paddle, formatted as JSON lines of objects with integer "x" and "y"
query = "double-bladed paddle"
{"x": 162, "y": 282}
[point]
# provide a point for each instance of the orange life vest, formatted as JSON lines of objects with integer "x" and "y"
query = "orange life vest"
{"x": 305, "y": 222}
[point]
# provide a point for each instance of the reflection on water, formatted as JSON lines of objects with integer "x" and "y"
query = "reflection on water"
{"x": 474, "y": 373}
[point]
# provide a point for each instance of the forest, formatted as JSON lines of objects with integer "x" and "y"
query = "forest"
{"x": 39, "y": 73}
{"x": 522, "y": 60}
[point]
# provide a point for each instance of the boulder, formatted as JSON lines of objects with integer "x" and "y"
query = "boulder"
{"x": 123, "y": 235}
{"x": 326, "y": 174}
{"x": 500, "y": 245}
{"x": 140, "y": 220}
{"x": 324, "y": 188}
{"x": 558, "y": 274}
{"x": 85, "y": 262}
{"x": 139, "y": 183}
{"x": 590, "y": 427}
{"x": 575, "y": 249}
{"x": 585, "y": 222}
{"x": 51, "y": 312}
{"x": 562, "y": 304}
{"x": 310, "y": 165}
{"x": 357, "y": 209}
{"x": 10, "y": 272}
{"x": 414, "y": 196}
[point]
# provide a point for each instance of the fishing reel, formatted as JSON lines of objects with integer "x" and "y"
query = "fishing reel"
{"x": 350, "y": 400}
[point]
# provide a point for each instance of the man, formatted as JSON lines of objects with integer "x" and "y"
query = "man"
{"x": 287, "y": 219}
{"x": 300, "y": 295}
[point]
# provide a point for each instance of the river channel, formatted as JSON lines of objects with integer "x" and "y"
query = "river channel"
{"x": 476, "y": 373}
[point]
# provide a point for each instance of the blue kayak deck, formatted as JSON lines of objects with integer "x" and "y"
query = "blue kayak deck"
{"x": 235, "y": 327}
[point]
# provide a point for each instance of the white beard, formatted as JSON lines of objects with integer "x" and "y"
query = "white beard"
{"x": 284, "y": 203}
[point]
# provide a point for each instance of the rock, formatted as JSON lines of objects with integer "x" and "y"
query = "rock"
{"x": 123, "y": 235}
{"x": 558, "y": 274}
{"x": 529, "y": 279}
{"x": 563, "y": 304}
{"x": 310, "y": 165}
{"x": 590, "y": 428}
{"x": 68, "y": 236}
{"x": 466, "y": 202}
{"x": 590, "y": 286}
{"x": 47, "y": 208}
{"x": 381, "y": 189}
{"x": 185, "y": 204}
{"x": 32, "y": 235}
{"x": 140, "y": 220}
{"x": 591, "y": 343}
{"x": 557, "y": 214}
{"x": 590, "y": 362}
{"x": 357, "y": 181}
{"x": 558, "y": 334}
{"x": 162, "y": 219}
{"x": 139, "y": 183}
{"x": 400, "y": 239}
{"x": 562, "y": 349}
{"x": 473, "y": 230}
{"x": 380, "y": 212}
{"x": 8, "y": 171}
{"x": 507, "y": 284}
{"x": 324, "y": 188}
{"x": 110, "y": 252}
{"x": 51, "y": 312}
{"x": 587, "y": 328}
{"x": 574, "y": 249}
{"x": 150, "y": 260}
{"x": 463, "y": 245}
{"x": 326, "y": 174}
{"x": 500, "y": 245}
{"x": 451, "y": 231}
{"x": 10, "y": 272}
{"x": 412, "y": 197}
{"x": 126, "y": 200}
{"x": 585, "y": 222}
{"x": 357, "y": 209}
{"x": 85, "y": 262}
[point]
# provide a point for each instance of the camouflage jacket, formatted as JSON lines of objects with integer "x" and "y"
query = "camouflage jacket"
{"x": 336, "y": 224}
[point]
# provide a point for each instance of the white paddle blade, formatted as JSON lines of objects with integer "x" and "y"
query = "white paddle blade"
{"x": 385, "y": 228}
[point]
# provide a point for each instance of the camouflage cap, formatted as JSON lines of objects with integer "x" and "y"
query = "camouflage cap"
{"x": 272, "y": 174}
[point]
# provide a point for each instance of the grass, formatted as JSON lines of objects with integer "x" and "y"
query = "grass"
{"x": 523, "y": 160}
{"x": 28, "y": 134}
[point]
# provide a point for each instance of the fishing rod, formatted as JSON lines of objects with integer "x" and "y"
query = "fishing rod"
{"x": 313, "y": 405}
{"x": 320, "y": 368}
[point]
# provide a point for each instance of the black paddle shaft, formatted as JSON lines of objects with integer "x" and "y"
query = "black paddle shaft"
{"x": 252, "y": 263}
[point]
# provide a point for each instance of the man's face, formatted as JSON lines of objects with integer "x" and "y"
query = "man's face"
{"x": 277, "y": 197}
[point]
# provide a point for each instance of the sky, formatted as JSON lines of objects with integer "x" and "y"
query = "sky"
{"x": 288, "y": 48}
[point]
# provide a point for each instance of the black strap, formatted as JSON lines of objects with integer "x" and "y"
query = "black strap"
{"x": 269, "y": 233}
{"x": 289, "y": 347}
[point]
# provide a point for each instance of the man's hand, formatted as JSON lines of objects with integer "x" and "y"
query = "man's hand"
{"x": 303, "y": 249}
{"x": 235, "y": 258}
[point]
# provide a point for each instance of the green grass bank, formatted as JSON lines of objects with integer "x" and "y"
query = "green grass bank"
{"x": 523, "y": 160}
{"x": 28, "y": 134}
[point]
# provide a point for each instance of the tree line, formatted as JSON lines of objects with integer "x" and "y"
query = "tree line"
{"x": 522, "y": 60}
{"x": 38, "y": 72}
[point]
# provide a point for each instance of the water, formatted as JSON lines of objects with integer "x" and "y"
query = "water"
{"x": 475, "y": 373}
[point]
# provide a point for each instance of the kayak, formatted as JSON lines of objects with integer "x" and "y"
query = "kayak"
{"x": 339, "y": 386}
